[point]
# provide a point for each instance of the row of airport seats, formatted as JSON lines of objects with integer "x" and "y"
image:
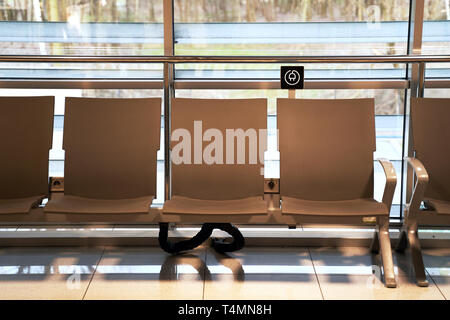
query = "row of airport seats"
{"x": 326, "y": 166}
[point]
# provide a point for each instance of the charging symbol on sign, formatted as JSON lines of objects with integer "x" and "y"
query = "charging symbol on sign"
{"x": 292, "y": 77}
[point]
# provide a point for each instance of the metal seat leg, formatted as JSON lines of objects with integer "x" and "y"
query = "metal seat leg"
{"x": 416, "y": 257}
{"x": 386, "y": 253}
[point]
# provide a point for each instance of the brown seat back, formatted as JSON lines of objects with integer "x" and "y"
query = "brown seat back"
{"x": 326, "y": 148}
{"x": 110, "y": 147}
{"x": 26, "y": 130}
{"x": 218, "y": 181}
{"x": 431, "y": 142}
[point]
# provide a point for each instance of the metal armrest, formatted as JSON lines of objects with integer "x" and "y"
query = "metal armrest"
{"x": 409, "y": 234}
{"x": 383, "y": 224}
{"x": 391, "y": 182}
{"x": 420, "y": 186}
{"x": 419, "y": 169}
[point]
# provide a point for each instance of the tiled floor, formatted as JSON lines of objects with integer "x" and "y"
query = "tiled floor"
{"x": 252, "y": 273}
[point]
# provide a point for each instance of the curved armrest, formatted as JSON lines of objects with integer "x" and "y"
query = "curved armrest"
{"x": 420, "y": 185}
{"x": 419, "y": 169}
{"x": 391, "y": 182}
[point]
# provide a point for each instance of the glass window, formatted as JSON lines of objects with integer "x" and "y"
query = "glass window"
{"x": 436, "y": 36}
{"x": 437, "y": 93}
{"x": 276, "y": 27}
{"x": 437, "y": 70}
{"x": 81, "y": 71}
{"x": 81, "y": 27}
{"x": 72, "y": 27}
{"x": 436, "y": 27}
{"x": 271, "y": 71}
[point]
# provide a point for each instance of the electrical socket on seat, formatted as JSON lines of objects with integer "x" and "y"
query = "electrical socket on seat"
{"x": 56, "y": 184}
{"x": 271, "y": 185}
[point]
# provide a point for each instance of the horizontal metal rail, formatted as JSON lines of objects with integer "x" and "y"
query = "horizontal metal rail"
{"x": 225, "y": 59}
{"x": 309, "y": 84}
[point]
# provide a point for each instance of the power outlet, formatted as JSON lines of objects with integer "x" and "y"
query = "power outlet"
{"x": 56, "y": 184}
{"x": 271, "y": 185}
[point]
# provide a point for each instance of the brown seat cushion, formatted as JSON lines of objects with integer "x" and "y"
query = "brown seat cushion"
{"x": 184, "y": 205}
{"x": 19, "y": 205}
{"x": 73, "y": 204}
{"x": 440, "y": 206}
{"x": 356, "y": 207}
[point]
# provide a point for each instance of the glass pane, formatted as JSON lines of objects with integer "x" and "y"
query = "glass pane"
{"x": 389, "y": 106}
{"x": 437, "y": 70}
{"x": 436, "y": 27}
{"x": 56, "y": 158}
{"x": 437, "y": 93}
{"x": 81, "y": 71}
{"x": 271, "y": 71}
{"x": 276, "y": 27}
{"x": 71, "y": 27}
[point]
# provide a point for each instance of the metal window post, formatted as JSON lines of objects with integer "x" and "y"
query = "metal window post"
{"x": 415, "y": 45}
{"x": 169, "y": 93}
{"x": 416, "y": 78}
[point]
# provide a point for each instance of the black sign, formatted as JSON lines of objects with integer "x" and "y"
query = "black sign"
{"x": 292, "y": 77}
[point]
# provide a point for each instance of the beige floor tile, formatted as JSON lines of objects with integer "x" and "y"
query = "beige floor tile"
{"x": 342, "y": 256}
{"x": 148, "y": 273}
{"x": 437, "y": 263}
{"x": 358, "y": 261}
{"x": 438, "y": 258}
{"x": 46, "y": 273}
{"x": 355, "y": 273}
{"x": 443, "y": 283}
{"x": 252, "y": 273}
{"x": 261, "y": 273}
{"x": 355, "y": 287}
